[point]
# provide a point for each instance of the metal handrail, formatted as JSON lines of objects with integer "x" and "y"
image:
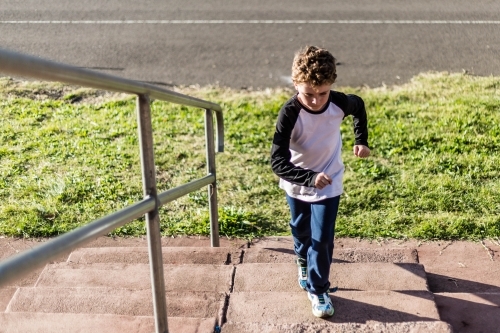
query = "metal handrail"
{"x": 19, "y": 265}
{"x": 25, "y": 262}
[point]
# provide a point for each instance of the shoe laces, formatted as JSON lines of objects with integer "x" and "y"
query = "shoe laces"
{"x": 303, "y": 272}
{"x": 321, "y": 299}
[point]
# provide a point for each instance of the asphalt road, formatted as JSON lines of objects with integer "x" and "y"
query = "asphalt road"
{"x": 251, "y": 43}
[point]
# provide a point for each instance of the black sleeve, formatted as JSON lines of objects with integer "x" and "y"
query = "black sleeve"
{"x": 355, "y": 106}
{"x": 280, "y": 151}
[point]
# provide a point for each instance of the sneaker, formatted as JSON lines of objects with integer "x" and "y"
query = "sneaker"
{"x": 302, "y": 265}
{"x": 321, "y": 305}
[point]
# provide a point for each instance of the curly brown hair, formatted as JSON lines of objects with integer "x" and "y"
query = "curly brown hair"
{"x": 315, "y": 66}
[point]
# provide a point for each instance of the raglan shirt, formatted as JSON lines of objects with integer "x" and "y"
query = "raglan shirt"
{"x": 308, "y": 142}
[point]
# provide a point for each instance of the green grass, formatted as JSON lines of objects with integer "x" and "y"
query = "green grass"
{"x": 70, "y": 155}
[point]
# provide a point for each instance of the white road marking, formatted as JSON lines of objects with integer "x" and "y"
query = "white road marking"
{"x": 465, "y": 22}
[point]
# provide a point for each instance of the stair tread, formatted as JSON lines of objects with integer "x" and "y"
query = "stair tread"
{"x": 314, "y": 327}
{"x": 350, "y": 307}
{"x": 355, "y": 276}
{"x": 84, "y": 323}
{"x": 115, "y": 301}
{"x": 170, "y": 255}
{"x": 137, "y": 276}
{"x": 286, "y": 254}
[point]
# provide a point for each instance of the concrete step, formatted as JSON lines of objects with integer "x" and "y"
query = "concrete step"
{"x": 170, "y": 255}
{"x": 352, "y": 276}
{"x": 209, "y": 278}
{"x": 293, "y": 309}
{"x": 277, "y": 254}
{"x": 115, "y": 301}
{"x": 351, "y": 306}
{"x": 6, "y": 295}
{"x": 372, "y": 327}
{"x": 84, "y": 323}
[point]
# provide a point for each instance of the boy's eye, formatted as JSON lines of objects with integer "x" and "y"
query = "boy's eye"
{"x": 311, "y": 95}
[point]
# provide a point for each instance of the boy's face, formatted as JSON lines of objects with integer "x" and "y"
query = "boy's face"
{"x": 314, "y": 98}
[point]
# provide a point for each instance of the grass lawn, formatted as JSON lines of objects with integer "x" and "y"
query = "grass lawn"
{"x": 70, "y": 155}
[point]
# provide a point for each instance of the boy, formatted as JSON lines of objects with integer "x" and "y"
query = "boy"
{"x": 306, "y": 155}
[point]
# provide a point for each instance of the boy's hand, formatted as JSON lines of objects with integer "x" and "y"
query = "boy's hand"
{"x": 322, "y": 180}
{"x": 361, "y": 151}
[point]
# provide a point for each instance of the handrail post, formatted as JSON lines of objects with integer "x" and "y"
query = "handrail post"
{"x": 220, "y": 132}
{"x": 152, "y": 218}
{"x": 212, "y": 188}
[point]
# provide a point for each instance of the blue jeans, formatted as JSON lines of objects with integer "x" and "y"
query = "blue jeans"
{"x": 313, "y": 229}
